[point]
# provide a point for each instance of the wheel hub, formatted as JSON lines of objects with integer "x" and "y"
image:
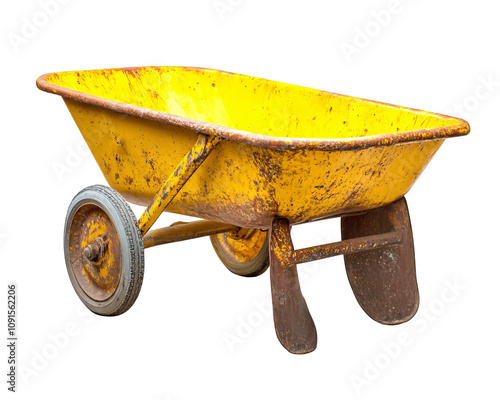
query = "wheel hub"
{"x": 95, "y": 252}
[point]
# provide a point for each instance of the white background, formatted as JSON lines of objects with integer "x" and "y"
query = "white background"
{"x": 432, "y": 55}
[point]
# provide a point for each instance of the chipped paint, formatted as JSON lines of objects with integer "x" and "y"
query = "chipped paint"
{"x": 138, "y": 139}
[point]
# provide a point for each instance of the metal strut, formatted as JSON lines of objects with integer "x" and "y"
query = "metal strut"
{"x": 186, "y": 168}
{"x": 186, "y": 230}
{"x": 294, "y": 325}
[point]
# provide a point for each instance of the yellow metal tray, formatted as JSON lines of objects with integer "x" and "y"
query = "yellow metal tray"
{"x": 295, "y": 152}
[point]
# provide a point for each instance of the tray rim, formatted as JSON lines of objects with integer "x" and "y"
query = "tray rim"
{"x": 326, "y": 144}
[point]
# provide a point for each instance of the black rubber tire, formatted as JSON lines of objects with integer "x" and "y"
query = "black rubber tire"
{"x": 131, "y": 249}
{"x": 255, "y": 267}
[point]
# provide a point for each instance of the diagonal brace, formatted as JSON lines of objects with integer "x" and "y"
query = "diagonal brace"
{"x": 186, "y": 168}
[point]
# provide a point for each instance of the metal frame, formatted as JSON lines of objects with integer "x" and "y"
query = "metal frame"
{"x": 380, "y": 264}
{"x": 293, "y": 322}
{"x": 180, "y": 231}
{"x": 187, "y": 167}
{"x": 288, "y": 256}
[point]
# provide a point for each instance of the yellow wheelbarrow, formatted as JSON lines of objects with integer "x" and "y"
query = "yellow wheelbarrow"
{"x": 251, "y": 157}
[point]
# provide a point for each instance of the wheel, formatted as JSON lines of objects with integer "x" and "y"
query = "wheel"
{"x": 245, "y": 253}
{"x": 103, "y": 250}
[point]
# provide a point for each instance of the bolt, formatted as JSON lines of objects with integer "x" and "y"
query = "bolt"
{"x": 95, "y": 250}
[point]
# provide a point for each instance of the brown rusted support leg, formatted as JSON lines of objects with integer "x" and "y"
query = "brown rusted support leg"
{"x": 294, "y": 326}
{"x": 383, "y": 279}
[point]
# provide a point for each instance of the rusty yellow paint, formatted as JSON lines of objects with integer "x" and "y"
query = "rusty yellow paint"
{"x": 102, "y": 275}
{"x": 180, "y": 231}
{"x": 97, "y": 276}
{"x": 140, "y": 124}
{"x": 188, "y": 165}
{"x": 99, "y": 279}
{"x": 241, "y": 247}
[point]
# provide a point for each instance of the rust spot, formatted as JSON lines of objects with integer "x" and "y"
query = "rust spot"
{"x": 97, "y": 272}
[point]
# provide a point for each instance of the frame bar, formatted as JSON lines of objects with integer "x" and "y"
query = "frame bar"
{"x": 349, "y": 246}
{"x": 186, "y": 168}
{"x": 186, "y": 230}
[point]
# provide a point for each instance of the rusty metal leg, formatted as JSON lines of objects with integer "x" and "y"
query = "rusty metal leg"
{"x": 383, "y": 279}
{"x": 294, "y": 326}
{"x": 187, "y": 167}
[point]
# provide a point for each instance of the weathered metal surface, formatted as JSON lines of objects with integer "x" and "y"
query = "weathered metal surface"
{"x": 244, "y": 252}
{"x": 188, "y": 165}
{"x": 350, "y": 246}
{"x": 383, "y": 280}
{"x": 185, "y": 231}
{"x": 380, "y": 262}
{"x": 139, "y": 123}
{"x": 95, "y": 250}
{"x": 293, "y": 323}
{"x": 296, "y": 153}
{"x": 95, "y": 253}
{"x": 208, "y": 82}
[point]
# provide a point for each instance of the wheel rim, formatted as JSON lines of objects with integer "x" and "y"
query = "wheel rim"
{"x": 95, "y": 252}
{"x": 242, "y": 248}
